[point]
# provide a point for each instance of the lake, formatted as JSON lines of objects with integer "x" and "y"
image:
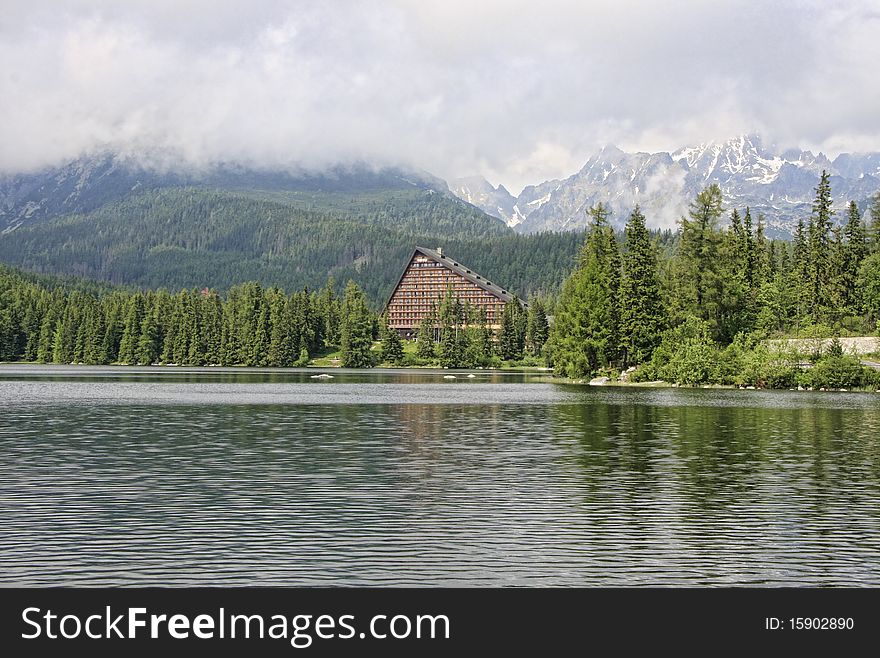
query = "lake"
{"x": 223, "y": 476}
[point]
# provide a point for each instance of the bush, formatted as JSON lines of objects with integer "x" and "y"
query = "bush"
{"x": 686, "y": 355}
{"x": 764, "y": 368}
{"x": 838, "y": 372}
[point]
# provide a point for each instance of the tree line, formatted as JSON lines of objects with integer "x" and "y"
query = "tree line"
{"x": 191, "y": 237}
{"x": 50, "y": 321}
{"x": 715, "y": 285}
{"x": 250, "y": 325}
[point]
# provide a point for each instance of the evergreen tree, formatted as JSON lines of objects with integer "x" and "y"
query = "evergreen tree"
{"x": 584, "y": 335}
{"x": 452, "y": 349}
{"x": 869, "y": 283}
{"x": 356, "y": 329}
{"x": 819, "y": 251}
{"x": 855, "y": 251}
{"x": 93, "y": 349}
{"x": 734, "y": 298}
{"x": 173, "y": 326}
{"x": 751, "y": 247}
{"x": 330, "y": 311}
{"x": 212, "y": 326}
{"x": 641, "y": 311}
{"x": 481, "y": 345}
{"x": 46, "y": 341}
{"x": 537, "y": 327}
{"x": 799, "y": 273}
{"x": 147, "y": 349}
{"x": 873, "y": 230}
{"x": 510, "y": 338}
{"x": 131, "y": 330}
{"x": 699, "y": 245}
{"x": 425, "y": 338}
{"x": 787, "y": 290}
{"x": 835, "y": 285}
{"x": 284, "y": 317}
{"x": 66, "y": 328}
{"x": 185, "y": 327}
{"x": 196, "y": 348}
{"x": 761, "y": 262}
{"x": 392, "y": 347}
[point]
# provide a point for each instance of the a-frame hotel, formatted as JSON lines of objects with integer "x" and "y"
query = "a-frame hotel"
{"x": 424, "y": 283}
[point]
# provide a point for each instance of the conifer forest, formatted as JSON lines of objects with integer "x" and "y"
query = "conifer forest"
{"x": 693, "y": 306}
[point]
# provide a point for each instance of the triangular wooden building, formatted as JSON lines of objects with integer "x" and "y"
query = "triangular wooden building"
{"x": 424, "y": 283}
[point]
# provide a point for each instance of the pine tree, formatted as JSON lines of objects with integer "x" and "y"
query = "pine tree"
{"x": 819, "y": 250}
{"x": 93, "y": 349}
{"x": 761, "y": 260}
{"x": 835, "y": 285}
{"x": 799, "y": 274}
{"x": 873, "y": 231}
{"x": 510, "y": 340}
{"x": 185, "y": 324}
{"x": 212, "y": 327}
{"x": 854, "y": 252}
{"x": 699, "y": 245}
{"x": 537, "y": 327}
{"x": 751, "y": 247}
{"x": 481, "y": 345}
{"x": 869, "y": 285}
{"x": 279, "y": 354}
{"x": 195, "y": 353}
{"x": 173, "y": 325}
{"x": 585, "y": 333}
{"x": 147, "y": 350}
{"x": 330, "y": 314}
{"x": 392, "y": 347}
{"x": 131, "y": 330}
{"x": 45, "y": 343}
{"x": 425, "y": 338}
{"x": 356, "y": 329}
{"x": 641, "y": 310}
{"x": 451, "y": 350}
{"x": 733, "y": 297}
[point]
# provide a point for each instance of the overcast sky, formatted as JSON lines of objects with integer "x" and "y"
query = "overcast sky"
{"x": 518, "y": 92}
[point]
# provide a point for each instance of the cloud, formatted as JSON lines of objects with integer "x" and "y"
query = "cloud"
{"x": 521, "y": 92}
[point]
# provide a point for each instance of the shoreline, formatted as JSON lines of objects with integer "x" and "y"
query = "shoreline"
{"x": 542, "y": 375}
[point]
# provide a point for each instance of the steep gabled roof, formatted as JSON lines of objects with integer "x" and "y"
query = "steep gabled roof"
{"x": 458, "y": 268}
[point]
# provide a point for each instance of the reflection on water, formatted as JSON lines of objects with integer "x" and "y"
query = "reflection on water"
{"x": 130, "y": 477}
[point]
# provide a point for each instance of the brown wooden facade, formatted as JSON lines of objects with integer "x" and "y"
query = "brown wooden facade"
{"x": 424, "y": 282}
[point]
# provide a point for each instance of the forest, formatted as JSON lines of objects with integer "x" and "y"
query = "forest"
{"x": 47, "y": 320}
{"x": 692, "y": 307}
{"x": 697, "y": 309}
{"x": 178, "y": 238}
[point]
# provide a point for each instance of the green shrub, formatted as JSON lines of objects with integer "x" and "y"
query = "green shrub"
{"x": 686, "y": 355}
{"x": 838, "y": 372}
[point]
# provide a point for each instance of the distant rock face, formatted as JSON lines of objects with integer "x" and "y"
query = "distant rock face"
{"x": 779, "y": 185}
{"x": 479, "y": 192}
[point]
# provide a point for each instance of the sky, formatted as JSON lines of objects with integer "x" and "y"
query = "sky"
{"x": 519, "y": 92}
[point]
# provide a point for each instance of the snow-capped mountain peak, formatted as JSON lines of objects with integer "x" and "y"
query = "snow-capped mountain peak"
{"x": 778, "y": 184}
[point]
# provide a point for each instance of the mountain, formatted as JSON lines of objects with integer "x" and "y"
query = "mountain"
{"x": 108, "y": 220}
{"x": 90, "y": 182}
{"x": 778, "y": 184}
{"x": 496, "y": 201}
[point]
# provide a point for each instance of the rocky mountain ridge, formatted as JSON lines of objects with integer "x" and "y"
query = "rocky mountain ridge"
{"x": 777, "y": 184}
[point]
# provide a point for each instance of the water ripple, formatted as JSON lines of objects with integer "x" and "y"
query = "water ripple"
{"x": 406, "y": 480}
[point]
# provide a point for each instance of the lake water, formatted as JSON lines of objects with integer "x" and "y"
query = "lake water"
{"x": 175, "y": 476}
